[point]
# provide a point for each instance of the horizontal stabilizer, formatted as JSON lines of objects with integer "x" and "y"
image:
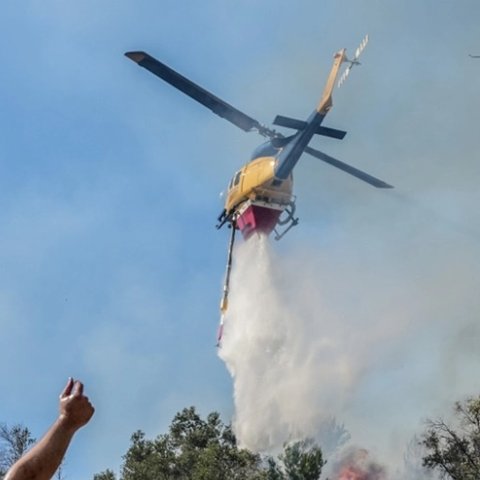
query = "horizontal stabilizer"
{"x": 288, "y": 122}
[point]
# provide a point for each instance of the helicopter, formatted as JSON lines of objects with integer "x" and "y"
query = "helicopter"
{"x": 260, "y": 194}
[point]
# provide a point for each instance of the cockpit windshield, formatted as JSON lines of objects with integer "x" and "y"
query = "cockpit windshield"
{"x": 235, "y": 180}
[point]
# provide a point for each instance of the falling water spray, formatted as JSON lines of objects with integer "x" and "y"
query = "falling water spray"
{"x": 288, "y": 368}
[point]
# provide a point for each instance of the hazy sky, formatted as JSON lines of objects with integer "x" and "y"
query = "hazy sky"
{"x": 110, "y": 265}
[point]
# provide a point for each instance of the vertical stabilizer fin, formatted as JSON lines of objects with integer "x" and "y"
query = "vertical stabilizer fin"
{"x": 326, "y": 103}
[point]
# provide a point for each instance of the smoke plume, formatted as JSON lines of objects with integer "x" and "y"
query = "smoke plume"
{"x": 315, "y": 338}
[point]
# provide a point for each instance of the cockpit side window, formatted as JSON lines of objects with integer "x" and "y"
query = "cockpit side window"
{"x": 237, "y": 178}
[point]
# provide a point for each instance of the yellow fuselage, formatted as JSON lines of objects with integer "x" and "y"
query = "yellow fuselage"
{"x": 256, "y": 181}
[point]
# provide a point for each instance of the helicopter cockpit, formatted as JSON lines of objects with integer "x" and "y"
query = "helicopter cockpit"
{"x": 235, "y": 179}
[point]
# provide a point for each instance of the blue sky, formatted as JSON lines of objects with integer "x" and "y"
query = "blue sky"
{"x": 111, "y": 267}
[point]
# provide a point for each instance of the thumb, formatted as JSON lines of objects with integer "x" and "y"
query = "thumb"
{"x": 68, "y": 388}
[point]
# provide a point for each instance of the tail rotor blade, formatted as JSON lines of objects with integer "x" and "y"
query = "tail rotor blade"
{"x": 354, "y": 60}
{"x": 361, "y": 47}
{"x": 344, "y": 75}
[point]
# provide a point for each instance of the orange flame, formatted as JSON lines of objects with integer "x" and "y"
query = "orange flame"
{"x": 352, "y": 473}
{"x": 356, "y": 465}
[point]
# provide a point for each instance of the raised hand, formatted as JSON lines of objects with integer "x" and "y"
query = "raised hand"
{"x": 75, "y": 408}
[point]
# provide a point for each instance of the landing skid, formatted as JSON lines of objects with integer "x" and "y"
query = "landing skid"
{"x": 293, "y": 223}
{"x": 290, "y": 220}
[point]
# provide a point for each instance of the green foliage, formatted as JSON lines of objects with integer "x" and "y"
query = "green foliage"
{"x": 14, "y": 442}
{"x": 453, "y": 449}
{"x": 193, "y": 449}
{"x": 272, "y": 470}
{"x": 106, "y": 475}
{"x": 206, "y": 449}
{"x": 302, "y": 461}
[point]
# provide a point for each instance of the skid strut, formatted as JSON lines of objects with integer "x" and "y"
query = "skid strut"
{"x": 226, "y": 283}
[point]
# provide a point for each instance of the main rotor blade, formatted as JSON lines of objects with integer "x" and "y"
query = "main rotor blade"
{"x": 348, "y": 168}
{"x": 196, "y": 92}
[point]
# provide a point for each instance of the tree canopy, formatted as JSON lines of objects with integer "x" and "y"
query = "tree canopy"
{"x": 14, "y": 442}
{"x": 206, "y": 449}
{"x": 453, "y": 448}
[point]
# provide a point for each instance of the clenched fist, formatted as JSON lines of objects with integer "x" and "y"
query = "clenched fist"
{"x": 75, "y": 408}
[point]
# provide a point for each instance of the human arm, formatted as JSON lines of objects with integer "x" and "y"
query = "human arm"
{"x": 43, "y": 459}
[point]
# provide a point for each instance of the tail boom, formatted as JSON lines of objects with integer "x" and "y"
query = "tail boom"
{"x": 289, "y": 156}
{"x": 326, "y": 103}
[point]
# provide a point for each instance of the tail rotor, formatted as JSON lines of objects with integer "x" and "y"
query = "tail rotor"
{"x": 353, "y": 61}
